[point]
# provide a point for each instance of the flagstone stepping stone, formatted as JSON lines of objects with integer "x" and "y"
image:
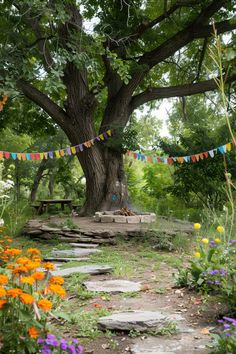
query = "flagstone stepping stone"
{"x": 84, "y": 245}
{"x": 75, "y": 252}
{"x": 113, "y": 286}
{"x": 87, "y": 269}
{"x": 64, "y": 259}
{"x": 137, "y": 320}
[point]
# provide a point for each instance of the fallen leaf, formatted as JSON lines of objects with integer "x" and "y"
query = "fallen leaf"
{"x": 205, "y": 331}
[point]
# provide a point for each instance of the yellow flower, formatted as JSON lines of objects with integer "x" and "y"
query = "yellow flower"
{"x": 205, "y": 241}
{"x": 220, "y": 229}
{"x": 197, "y": 254}
{"x": 197, "y": 226}
{"x": 217, "y": 240}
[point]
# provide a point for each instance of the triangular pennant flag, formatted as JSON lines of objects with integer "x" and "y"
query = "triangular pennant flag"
{"x": 193, "y": 157}
{"x": 221, "y": 149}
{"x": 101, "y": 136}
{"x": 50, "y": 154}
{"x": 211, "y": 153}
{"x": 46, "y": 155}
{"x": 18, "y": 156}
{"x": 186, "y": 158}
{"x": 32, "y": 156}
{"x": 180, "y": 159}
{"x": 57, "y": 154}
{"x": 87, "y": 144}
{"x": 1, "y": 154}
{"x": 28, "y": 156}
{"x": 97, "y": 138}
{"x": 128, "y": 152}
{"x": 165, "y": 160}
{"x": 149, "y": 158}
{"x": 139, "y": 156}
{"x": 62, "y": 152}
{"x": 105, "y": 135}
{"x": 73, "y": 150}
{"x": 228, "y": 147}
{"x": 13, "y": 155}
{"x": 7, "y": 154}
{"x": 108, "y": 132}
{"x": 197, "y": 157}
{"x": 81, "y": 147}
{"x": 37, "y": 156}
{"x": 201, "y": 156}
{"x": 134, "y": 155}
{"x": 234, "y": 142}
{"x": 68, "y": 151}
{"x": 174, "y": 159}
{"x": 154, "y": 159}
{"x": 205, "y": 154}
{"x": 23, "y": 157}
{"x": 41, "y": 155}
{"x": 158, "y": 159}
{"x": 169, "y": 160}
{"x": 143, "y": 158}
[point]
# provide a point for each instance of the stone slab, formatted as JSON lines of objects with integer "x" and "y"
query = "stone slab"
{"x": 120, "y": 219}
{"x": 84, "y": 245}
{"x": 64, "y": 259}
{"x": 75, "y": 252}
{"x": 145, "y": 218}
{"x": 113, "y": 286}
{"x": 107, "y": 218}
{"x": 133, "y": 219}
{"x": 137, "y": 320}
{"x": 87, "y": 269}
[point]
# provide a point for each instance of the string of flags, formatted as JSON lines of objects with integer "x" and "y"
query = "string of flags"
{"x": 72, "y": 150}
{"x": 182, "y": 159}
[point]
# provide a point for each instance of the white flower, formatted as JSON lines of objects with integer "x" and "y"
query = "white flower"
{"x": 1, "y": 222}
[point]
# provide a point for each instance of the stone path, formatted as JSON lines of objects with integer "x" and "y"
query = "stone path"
{"x": 87, "y": 269}
{"x": 75, "y": 252}
{"x": 113, "y": 286}
{"x": 65, "y": 259}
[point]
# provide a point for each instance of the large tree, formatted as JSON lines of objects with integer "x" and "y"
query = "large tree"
{"x": 92, "y": 79}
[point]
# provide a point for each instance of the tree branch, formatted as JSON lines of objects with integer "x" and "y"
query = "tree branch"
{"x": 43, "y": 101}
{"x": 153, "y": 93}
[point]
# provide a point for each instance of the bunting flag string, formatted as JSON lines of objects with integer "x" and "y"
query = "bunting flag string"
{"x": 68, "y": 151}
{"x": 183, "y": 159}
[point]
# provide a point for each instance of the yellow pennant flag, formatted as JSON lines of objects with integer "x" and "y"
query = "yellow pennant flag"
{"x": 73, "y": 150}
{"x": 180, "y": 159}
{"x": 45, "y": 155}
{"x": 108, "y": 132}
{"x": 228, "y": 147}
{"x": 101, "y": 136}
{"x": 57, "y": 153}
{"x": 197, "y": 157}
{"x": 18, "y": 155}
{"x": 41, "y": 155}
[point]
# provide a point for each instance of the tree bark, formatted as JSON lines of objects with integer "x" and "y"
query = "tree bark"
{"x": 37, "y": 179}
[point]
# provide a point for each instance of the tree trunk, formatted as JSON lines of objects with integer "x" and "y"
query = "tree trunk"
{"x": 37, "y": 179}
{"x": 51, "y": 185}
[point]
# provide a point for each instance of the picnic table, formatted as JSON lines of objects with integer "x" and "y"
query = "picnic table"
{"x": 46, "y": 202}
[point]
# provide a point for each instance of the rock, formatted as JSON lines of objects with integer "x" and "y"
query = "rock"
{"x": 133, "y": 219}
{"x": 50, "y": 229}
{"x": 108, "y": 212}
{"x": 137, "y": 320}
{"x": 145, "y": 218}
{"x": 75, "y": 252}
{"x": 64, "y": 259}
{"x": 120, "y": 219}
{"x": 84, "y": 245}
{"x": 34, "y": 232}
{"x": 113, "y": 286}
{"x": 107, "y": 218}
{"x": 87, "y": 269}
{"x": 97, "y": 218}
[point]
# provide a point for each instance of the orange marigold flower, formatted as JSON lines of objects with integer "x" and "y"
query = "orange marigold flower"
{"x": 28, "y": 280}
{"x": 3, "y": 279}
{"x": 23, "y": 260}
{"x": 36, "y": 259}
{"x": 33, "y": 332}
{"x": 20, "y": 269}
{"x": 14, "y": 292}
{"x": 32, "y": 265}
{"x": 2, "y": 303}
{"x": 26, "y": 298}
{"x": 45, "y": 305}
{"x": 8, "y": 239}
{"x": 48, "y": 266}
{"x": 56, "y": 280}
{"x": 33, "y": 250}
{"x": 10, "y": 266}
{"x": 57, "y": 289}
{"x": 2, "y": 291}
{"x": 38, "y": 275}
{"x": 13, "y": 252}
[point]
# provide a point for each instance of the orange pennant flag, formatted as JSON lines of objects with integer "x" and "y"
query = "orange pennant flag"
{"x": 62, "y": 153}
{"x": 23, "y": 157}
{"x": 201, "y": 156}
{"x": 1, "y": 154}
{"x": 180, "y": 159}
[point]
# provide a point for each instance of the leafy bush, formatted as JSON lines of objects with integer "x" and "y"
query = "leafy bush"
{"x": 26, "y": 297}
{"x": 224, "y": 342}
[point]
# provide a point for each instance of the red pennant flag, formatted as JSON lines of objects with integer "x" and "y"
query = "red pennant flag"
{"x": 193, "y": 157}
{"x": 205, "y": 154}
{"x": 158, "y": 159}
{"x": 135, "y": 155}
{"x": 37, "y": 156}
{"x": 234, "y": 142}
{"x": 32, "y": 156}
{"x": 149, "y": 159}
{"x": 169, "y": 160}
{"x": 7, "y": 154}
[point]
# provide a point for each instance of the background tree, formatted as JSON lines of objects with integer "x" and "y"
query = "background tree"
{"x": 89, "y": 80}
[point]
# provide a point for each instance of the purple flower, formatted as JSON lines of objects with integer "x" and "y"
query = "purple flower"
{"x": 55, "y": 343}
{"x": 80, "y": 349}
{"x": 74, "y": 340}
{"x": 46, "y": 350}
{"x": 51, "y": 336}
{"x": 63, "y": 346}
{"x": 226, "y": 325}
{"x": 71, "y": 349}
{"x": 62, "y": 340}
{"x": 41, "y": 341}
{"x": 229, "y": 319}
{"x": 232, "y": 241}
